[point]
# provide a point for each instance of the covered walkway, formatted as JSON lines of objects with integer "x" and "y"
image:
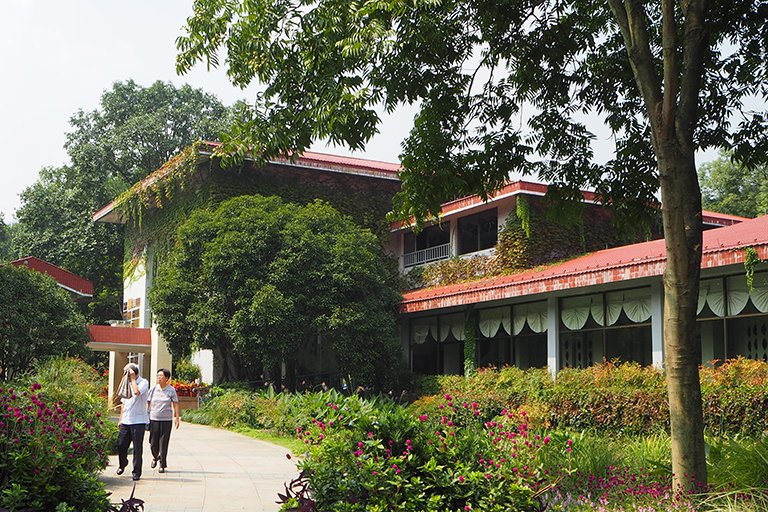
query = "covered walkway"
{"x": 209, "y": 470}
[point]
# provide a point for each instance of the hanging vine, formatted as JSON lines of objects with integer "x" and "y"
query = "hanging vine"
{"x": 751, "y": 260}
{"x": 470, "y": 341}
{"x": 159, "y": 188}
{"x": 523, "y": 211}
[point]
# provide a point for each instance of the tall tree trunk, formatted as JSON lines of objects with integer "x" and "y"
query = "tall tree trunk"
{"x": 681, "y": 213}
{"x": 227, "y": 366}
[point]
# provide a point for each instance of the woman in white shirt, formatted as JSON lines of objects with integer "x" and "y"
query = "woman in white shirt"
{"x": 163, "y": 404}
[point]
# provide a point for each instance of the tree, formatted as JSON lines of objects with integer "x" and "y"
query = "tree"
{"x": 38, "y": 320}
{"x": 256, "y": 279}
{"x": 508, "y": 86}
{"x": 5, "y": 239}
{"x": 730, "y": 187}
{"x": 134, "y": 131}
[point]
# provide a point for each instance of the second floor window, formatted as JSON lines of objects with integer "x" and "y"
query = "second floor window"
{"x": 431, "y": 236}
{"x": 478, "y": 232}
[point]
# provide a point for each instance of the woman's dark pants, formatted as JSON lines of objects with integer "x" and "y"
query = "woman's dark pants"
{"x": 131, "y": 434}
{"x": 159, "y": 437}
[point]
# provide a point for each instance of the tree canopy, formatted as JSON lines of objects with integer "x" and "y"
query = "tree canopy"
{"x": 132, "y": 133}
{"x": 730, "y": 187}
{"x": 38, "y": 320}
{"x": 511, "y": 86}
{"x": 257, "y": 279}
{"x": 5, "y": 239}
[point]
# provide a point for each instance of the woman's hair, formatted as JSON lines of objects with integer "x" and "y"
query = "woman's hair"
{"x": 135, "y": 368}
{"x": 165, "y": 372}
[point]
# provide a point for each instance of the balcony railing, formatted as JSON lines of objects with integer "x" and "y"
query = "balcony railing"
{"x": 438, "y": 252}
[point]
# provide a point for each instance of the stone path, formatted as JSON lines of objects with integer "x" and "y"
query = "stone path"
{"x": 209, "y": 470}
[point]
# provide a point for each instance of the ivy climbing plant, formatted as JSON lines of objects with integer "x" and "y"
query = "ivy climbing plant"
{"x": 751, "y": 260}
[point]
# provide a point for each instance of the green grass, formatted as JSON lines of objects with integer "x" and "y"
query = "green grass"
{"x": 296, "y": 447}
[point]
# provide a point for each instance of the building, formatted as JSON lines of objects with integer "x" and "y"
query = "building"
{"x": 360, "y": 188}
{"x": 79, "y": 288}
{"x": 571, "y": 310}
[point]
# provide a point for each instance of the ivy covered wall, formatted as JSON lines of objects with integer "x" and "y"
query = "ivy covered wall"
{"x": 154, "y": 212}
{"x": 534, "y": 233}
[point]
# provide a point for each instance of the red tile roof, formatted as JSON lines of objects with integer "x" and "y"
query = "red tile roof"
{"x": 308, "y": 159}
{"x": 532, "y": 188}
{"x": 722, "y": 247}
{"x": 120, "y": 335}
{"x": 511, "y": 189}
{"x": 721, "y": 219}
{"x": 67, "y": 280}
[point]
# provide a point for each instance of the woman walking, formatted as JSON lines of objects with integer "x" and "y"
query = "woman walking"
{"x": 163, "y": 412}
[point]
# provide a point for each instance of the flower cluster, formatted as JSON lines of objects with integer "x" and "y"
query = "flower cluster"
{"x": 43, "y": 442}
{"x": 450, "y": 461}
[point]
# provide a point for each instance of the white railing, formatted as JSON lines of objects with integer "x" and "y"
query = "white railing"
{"x": 438, "y": 252}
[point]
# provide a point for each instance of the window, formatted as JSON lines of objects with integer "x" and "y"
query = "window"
{"x": 431, "y": 236}
{"x": 132, "y": 312}
{"x": 478, "y": 232}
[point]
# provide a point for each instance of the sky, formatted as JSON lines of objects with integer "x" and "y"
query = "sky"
{"x": 58, "y": 57}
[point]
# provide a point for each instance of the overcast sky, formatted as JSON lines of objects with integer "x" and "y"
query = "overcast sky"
{"x": 59, "y": 56}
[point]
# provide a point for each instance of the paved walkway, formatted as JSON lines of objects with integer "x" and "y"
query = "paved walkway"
{"x": 209, "y": 470}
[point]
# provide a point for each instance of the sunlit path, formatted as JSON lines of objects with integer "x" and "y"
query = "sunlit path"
{"x": 209, "y": 470}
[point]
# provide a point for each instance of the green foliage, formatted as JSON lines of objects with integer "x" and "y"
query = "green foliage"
{"x": 186, "y": 371}
{"x": 447, "y": 434}
{"x": 5, "y": 239}
{"x": 467, "y": 136}
{"x": 614, "y": 400}
{"x": 134, "y": 131}
{"x": 728, "y": 186}
{"x": 255, "y": 278}
{"x": 641, "y": 70}
{"x": 38, "y": 319}
{"x": 54, "y": 441}
{"x": 739, "y": 462}
{"x": 539, "y": 232}
{"x": 735, "y": 397}
{"x": 554, "y": 232}
{"x": 470, "y": 342}
{"x": 457, "y": 270}
{"x": 751, "y": 260}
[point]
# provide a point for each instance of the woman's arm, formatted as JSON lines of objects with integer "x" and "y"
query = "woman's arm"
{"x": 176, "y": 413}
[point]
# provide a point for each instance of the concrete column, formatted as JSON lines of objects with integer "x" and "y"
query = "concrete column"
{"x": 454, "y": 231}
{"x": 553, "y": 336}
{"x": 657, "y": 324}
{"x": 160, "y": 356}
{"x": 117, "y": 361}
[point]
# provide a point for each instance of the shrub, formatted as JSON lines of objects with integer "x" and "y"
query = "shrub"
{"x": 48, "y": 453}
{"x": 735, "y": 397}
{"x": 187, "y": 371}
{"x": 447, "y": 462}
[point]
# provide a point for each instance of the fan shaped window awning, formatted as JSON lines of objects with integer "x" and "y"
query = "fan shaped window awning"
{"x": 533, "y": 314}
{"x": 636, "y": 305}
{"x": 452, "y": 324}
{"x": 423, "y": 328}
{"x": 575, "y": 311}
{"x": 733, "y": 299}
{"x": 491, "y": 320}
{"x": 759, "y": 293}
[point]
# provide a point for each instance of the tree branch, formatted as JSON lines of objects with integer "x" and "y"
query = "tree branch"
{"x": 695, "y": 46}
{"x": 671, "y": 67}
{"x": 633, "y": 22}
